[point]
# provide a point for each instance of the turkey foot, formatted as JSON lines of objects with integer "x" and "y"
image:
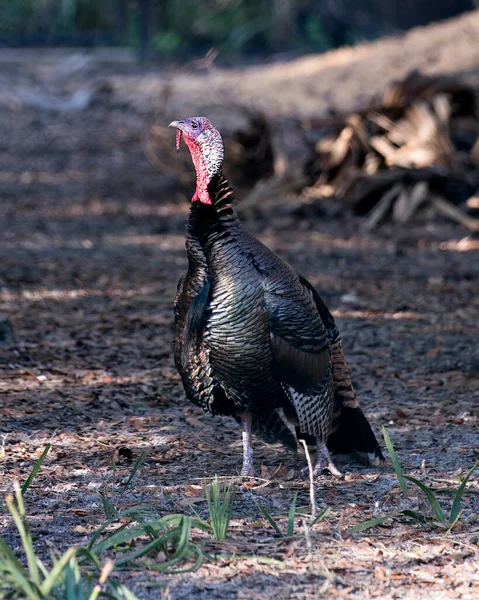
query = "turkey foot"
{"x": 247, "y": 470}
{"x": 323, "y": 461}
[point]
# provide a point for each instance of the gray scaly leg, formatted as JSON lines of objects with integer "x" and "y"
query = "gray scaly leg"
{"x": 324, "y": 461}
{"x": 247, "y": 469}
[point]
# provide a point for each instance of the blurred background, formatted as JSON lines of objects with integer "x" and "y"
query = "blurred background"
{"x": 245, "y": 29}
{"x": 155, "y": 58}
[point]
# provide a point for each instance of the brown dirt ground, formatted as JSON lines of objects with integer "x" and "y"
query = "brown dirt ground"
{"x": 92, "y": 247}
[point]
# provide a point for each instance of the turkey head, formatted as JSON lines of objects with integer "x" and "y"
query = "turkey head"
{"x": 206, "y": 147}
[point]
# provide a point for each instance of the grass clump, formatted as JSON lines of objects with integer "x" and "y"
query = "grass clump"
{"x": 314, "y": 517}
{"x": 63, "y": 581}
{"x": 290, "y": 523}
{"x": 110, "y": 497}
{"x": 33, "y": 473}
{"x": 159, "y": 543}
{"x": 137, "y": 538}
{"x": 292, "y": 514}
{"x": 220, "y": 506}
{"x": 440, "y": 517}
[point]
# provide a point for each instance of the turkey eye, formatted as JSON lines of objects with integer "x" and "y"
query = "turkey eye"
{"x": 194, "y": 125}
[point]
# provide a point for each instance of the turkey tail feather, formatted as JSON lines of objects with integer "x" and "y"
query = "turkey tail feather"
{"x": 351, "y": 430}
{"x": 353, "y": 433}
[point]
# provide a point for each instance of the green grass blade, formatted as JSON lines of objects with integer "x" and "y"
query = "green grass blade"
{"x": 320, "y": 516}
{"x": 228, "y": 500}
{"x": 175, "y": 519}
{"x": 30, "y": 591}
{"x": 181, "y": 533}
{"x": 69, "y": 583}
{"x": 175, "y": 526}
{"x": 36, "y": 468}
{"x": 458, "y": 496}
{"x": 270, "y": 520}
{"x": 418, "y": 516}
{"x": 108, "y": 508}
{"x": 372, "y": 522}
{"x": 291, "y": 515}
{"x": 43, "y": 569}
{"x": 18, "y": 515}
{"x": 129, "y": 512}
{"x": 166, "y": 567}
{"x": 394, "y": 460}
{"x": 198, "y": 523}
{"x": 134, "y": 471}
{"x": 149, "y": 530}
{"x": 56, "y": 572}
{"x": 7, "y": 555}
{"x": 122, "y": 592}
{"x": 210, "y": 503}
{"x": 196, "y": 565}
{"x": 90, "y": 556}
{"x": 122, "y": 535}
{"x": 213, "y": 500}
{"x": 219, "y": 508}
{"x": 431, "y": 497}
{"x": 182, "y": 546}
{"x": 92, "y": 545}
{"x": 18, "y": 573}
{"x": 146, "y": 549}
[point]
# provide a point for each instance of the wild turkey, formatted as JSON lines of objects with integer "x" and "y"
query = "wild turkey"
{"x": 253, "y": 338}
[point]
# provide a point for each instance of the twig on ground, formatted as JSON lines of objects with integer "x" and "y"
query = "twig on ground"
{"x": 312, "y": 495}
{"x": 312, "y": 498}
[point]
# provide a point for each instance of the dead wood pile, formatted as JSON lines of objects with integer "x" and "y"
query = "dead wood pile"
{"x": 415, "y": 154}
{"x": 418, "y": 152}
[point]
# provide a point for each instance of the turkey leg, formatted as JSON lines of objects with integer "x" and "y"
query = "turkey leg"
{"x": 324, "y": 461}
{"x": 247, "y": 468}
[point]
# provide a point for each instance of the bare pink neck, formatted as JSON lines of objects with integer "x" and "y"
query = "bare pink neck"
{"x": 202, "y": 175}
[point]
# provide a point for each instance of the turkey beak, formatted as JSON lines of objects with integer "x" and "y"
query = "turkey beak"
{"x": 179, "y": 125}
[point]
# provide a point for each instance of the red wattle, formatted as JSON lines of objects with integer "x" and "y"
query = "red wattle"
{"x": 202, "y": 175}
{"x": 202, "y": 195}
{"x": 178, "y": 139}
{"x": 202, "y": 181}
